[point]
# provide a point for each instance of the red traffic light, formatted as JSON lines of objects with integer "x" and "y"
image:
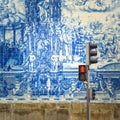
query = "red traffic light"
{"x": 82, "y": 69}
{"x": 82, "y": 73}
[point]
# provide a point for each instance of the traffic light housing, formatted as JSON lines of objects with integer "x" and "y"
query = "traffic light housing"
{"x": 82, "y": 73}
{"x": 91, "y": 53}
{"x": 92, "y": 94}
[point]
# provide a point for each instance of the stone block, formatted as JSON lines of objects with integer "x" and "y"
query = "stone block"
{"x": 75, "y": 116}
{"x": 49, "y": 105}
{"x": 5, "y": 107}
{"x": 50, "y": 114}
{"x": 63, "y": 114}
{"x": 5, "y": 116}
{"x": 117, "y": 112}
{"x": 36, "y": 115}
{"x": 28, "y": 111}
{"x": 75, "y": 107}
{"x": 5, "y": 111}
{"x": 63, "y": 105}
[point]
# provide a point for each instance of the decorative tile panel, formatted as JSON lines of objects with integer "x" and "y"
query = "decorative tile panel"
{"x": 42, "y": 42}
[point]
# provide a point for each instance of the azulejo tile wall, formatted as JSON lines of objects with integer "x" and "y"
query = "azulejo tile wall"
{"x": 42, "y": 42}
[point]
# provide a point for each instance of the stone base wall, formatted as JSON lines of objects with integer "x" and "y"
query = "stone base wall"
{"x": 58, "y": 111}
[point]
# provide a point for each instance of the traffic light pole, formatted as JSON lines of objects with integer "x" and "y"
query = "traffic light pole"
{"x": 88, "y": 95}
{"x": 88, "y": 82}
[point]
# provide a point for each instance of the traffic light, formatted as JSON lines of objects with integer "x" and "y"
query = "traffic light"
{"x": 92, "y": 94}
{"x": 82, "y": 72}
{"x": 91, "y": 53}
